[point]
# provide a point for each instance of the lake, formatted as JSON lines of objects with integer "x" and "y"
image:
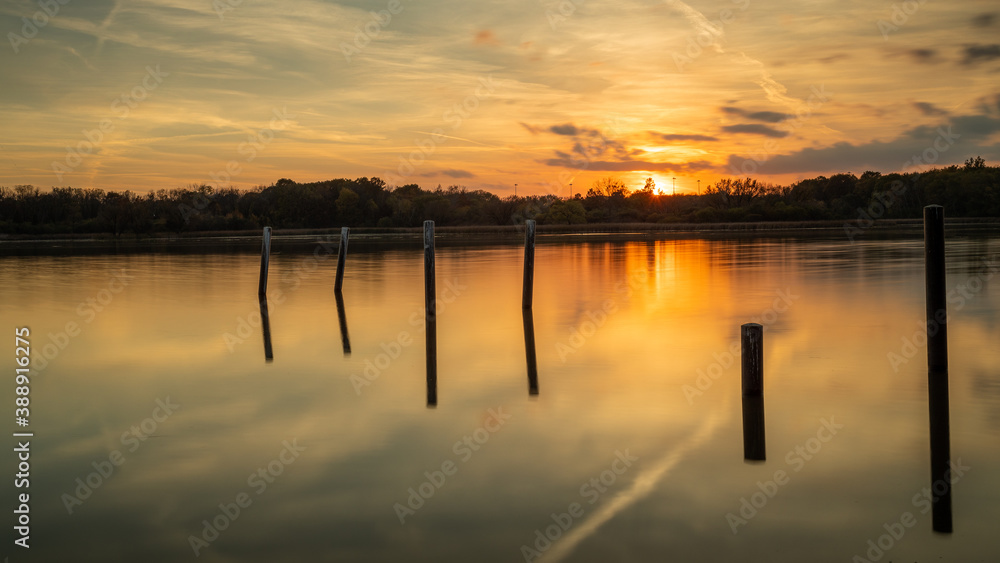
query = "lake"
{"x": 161, "y": 432}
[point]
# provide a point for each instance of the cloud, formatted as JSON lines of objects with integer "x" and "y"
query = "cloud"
{"x": 486, "y": 37}
{"x": 928, "y": 108}
{"x": 565, "y": 129}
{"x": 922, "y": 55}
{"x": 755, "y": 129}
{"x": 531, "y": 128}
{"x": 986, "y": 19}
{"x": 567, "y": 161}
{"x": 765, "y": 116}
{"x": 453, "y": 173}
{"x": 669, "y": 137}
{"x": 976, "y": 53}
{"x": 969, "y": 131}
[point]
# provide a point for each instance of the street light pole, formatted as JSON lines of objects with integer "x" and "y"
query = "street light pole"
{"x": 675, "y": 186}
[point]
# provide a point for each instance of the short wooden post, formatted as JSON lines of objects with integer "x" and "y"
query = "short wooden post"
{"x": 753, "y": 358}
{"x": 934, "y": 274}
{"x": 430, "y": 313}
{"x": 529, "y": 351}
{"x": 529, "y": 263}
{"x": 265, "y": 254}
{"x": 341, "y": 258}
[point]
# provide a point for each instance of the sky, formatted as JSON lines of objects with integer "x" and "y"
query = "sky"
{"x": 549, "y": 96}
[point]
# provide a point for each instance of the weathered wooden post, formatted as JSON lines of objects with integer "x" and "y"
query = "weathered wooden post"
{"x": 752, "y": 335}
{"x": 934, "y": 274}
{"x": 529, "y": 351}
{"x": 345, "y": 337}
{"x": 341, "y": 259}
{"x": 937, "y": 367}
{"x": 529, "y": 263}
{"x": 430, "y": 313}
{"x": 265, "y": 254}
{"x": 754, "y": 447}
{"x": 265, "y": 324}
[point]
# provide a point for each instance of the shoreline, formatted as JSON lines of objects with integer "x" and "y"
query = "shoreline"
{"x": 827, "y": 228}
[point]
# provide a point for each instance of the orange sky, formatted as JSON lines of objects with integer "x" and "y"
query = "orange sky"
{"x": 147, "y": 95}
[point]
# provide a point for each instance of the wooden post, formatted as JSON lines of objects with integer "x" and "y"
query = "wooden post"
{"x": 265, "y": 254}
{"x": 754, "y": 447}
{"x": 265, "y": 323}
{"x": 753, "y": 359}
{"x": 934, "y": 274}
{"x": 529, "y": 263}
{"x": 937, "y": 366}
{"x": 345, "y": 337}
{"x": 341, "y": 259}
{"x": 529, "y": 351}
{"x": 430, "y": 313}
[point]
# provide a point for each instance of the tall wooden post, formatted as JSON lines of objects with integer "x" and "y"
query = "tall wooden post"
{"x": 341, "y": 259}
{"x": 529, "y": 263}
{"x": 752, "y": 335}
{"x": 430, "y": 313}
{"x": 265, "y": 254}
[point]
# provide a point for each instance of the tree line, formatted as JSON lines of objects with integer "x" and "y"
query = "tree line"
{"x": 972, "y": 190}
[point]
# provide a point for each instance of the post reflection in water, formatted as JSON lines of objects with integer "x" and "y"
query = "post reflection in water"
{"x": 431, "y": 335}
{"x": 754, "y": 448}
{"x": 529, "y": 351}
{"x": 265, "y": 324}
{"x": 345, "y": 337}
{"x": 937, "y": 388}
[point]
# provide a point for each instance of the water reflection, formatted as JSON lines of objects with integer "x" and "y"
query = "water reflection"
{"x": 616, "y": 379}
{"x": 754, "y": 448}
{"x": 529, "y": 351}
{"x": 937, "y": 388}
{"x": 265, "y": 324}
{"x": 345, "y": 337}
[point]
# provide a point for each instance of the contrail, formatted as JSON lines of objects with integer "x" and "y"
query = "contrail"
{"x": 774, "y": 90}
{"x": 641, "y": 487}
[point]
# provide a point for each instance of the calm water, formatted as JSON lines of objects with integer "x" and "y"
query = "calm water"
{"x": 633, "y": 442}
